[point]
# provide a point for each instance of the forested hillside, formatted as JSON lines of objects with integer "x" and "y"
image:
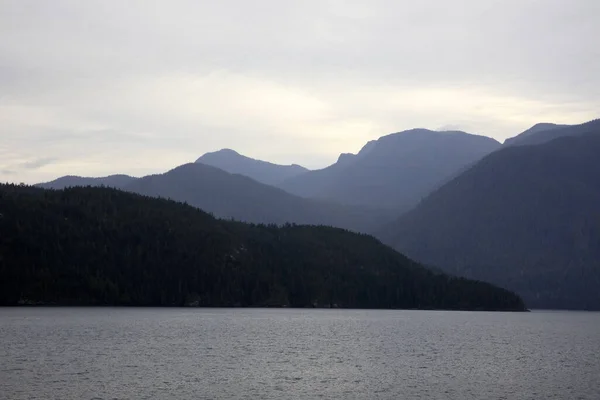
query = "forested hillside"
{"x": 525, "y": 217}
{"x": 100, "y": 246}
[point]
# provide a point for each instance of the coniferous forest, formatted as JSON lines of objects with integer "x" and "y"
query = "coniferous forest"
{"x": 101, "y": 246}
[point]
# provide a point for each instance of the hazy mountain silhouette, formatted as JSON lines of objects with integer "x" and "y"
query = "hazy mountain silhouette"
{"x": 542, "y": 133}
{"x": 526, "y": 218}
{"x": 395, "y": 171}
{"x": 541, "y": 127}
{"x": 261, "y": 171}
{"x": 236, "y": 196}
{"x": 114, "y": 181}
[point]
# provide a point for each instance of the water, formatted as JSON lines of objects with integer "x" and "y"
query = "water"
{"x": 112, "y": 353}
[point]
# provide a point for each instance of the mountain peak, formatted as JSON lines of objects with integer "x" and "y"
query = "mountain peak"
{"x": 219, "y": 153}
{"x": 486, "y": 222}
{"x": 262, "y": 171}
{"x": 394, "y": 171}
{"x": 345, "y": 158}
{"x": 539, "y": 127}
{"x": 545, "y": 132}
{"x": 116, "y": 181}
{"x": 227, "y": 151}
{"x": 543, "y": 125}
{"x": 426, "y": 136}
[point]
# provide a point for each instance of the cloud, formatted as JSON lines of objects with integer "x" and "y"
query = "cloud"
{"x": 102, "y": 87}
{"x": 37, "y": 163}
{"x": 450, "y": 127}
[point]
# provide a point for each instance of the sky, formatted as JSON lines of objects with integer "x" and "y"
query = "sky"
{"x": 97, "y": 87}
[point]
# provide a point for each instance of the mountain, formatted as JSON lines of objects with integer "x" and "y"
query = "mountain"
{"x": 115, "y": 181}
{"x": 542, "y": 133}
{"x": 395, "y": 171}
{"x": 541, "y": 127}
{"x": 525, "y": 217}
{"x": 261, "y": 171}
{"x": 242, "y": 198}
{"x": 101, "y": 246}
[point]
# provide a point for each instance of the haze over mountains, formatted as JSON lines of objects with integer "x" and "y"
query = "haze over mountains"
{"x": 114, "y": 181}
{"x": 395, "y": 171}
{"x": 358, "y": 192}
{"x": 523, "y": 215}
{"x": 236, "y": 196}
{"x": 542, "y": 133}
{"x": 261, "y": 171}
{"x": 541, "y": 127}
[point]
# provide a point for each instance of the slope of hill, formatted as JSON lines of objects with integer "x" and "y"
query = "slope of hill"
{"x": 525, "y": 217}
{"x": 90, "y": 246}
{"x": 236, "y": 196}
{"x": 541, "y": 127}
{"x": 395, "y": 171}
{"x": 115, "y": 181}
{"x": 538, "y": 134}
{"x": 261, "y": 171}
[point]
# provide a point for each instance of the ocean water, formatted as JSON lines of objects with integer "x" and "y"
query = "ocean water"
{"x": 161, "y": 353}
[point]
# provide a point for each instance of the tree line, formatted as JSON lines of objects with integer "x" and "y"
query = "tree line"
{"x": 102, "y": 246}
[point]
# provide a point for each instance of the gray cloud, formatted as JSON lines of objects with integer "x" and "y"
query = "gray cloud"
{"x": 105, "y": 86}
{"x": 37, "y": 163}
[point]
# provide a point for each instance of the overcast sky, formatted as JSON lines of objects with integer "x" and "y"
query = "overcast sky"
{"x": 99, "y": 87}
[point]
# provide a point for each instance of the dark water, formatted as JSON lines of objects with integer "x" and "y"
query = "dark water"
{"x": 77, "y": 353}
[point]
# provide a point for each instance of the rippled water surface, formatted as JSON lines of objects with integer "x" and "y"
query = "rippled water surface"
{"x": 125, "y": 353}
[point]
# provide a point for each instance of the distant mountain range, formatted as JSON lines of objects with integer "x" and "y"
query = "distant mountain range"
{"x": 236, "y": 196}
{"x": 525, "y": 217}
{"x": 395, "y": 171}
{"x": 523, "y": 136}
{"x": 114, "y": 181}
{"x": 261, "y": 171}
{"x": 385, "y": 178}
{"x": 542, "y": 133}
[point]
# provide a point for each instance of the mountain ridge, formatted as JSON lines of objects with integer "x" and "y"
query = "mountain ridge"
{"x": 525, "y": 217}
{"x": 239, "y": 197}
{"x": 262, "y": 171}
{"x": 115, "y": 181}
{"x": 394, "y": 171}
{"x": 539, "y": 127}
{"x": 539, "y": 133}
